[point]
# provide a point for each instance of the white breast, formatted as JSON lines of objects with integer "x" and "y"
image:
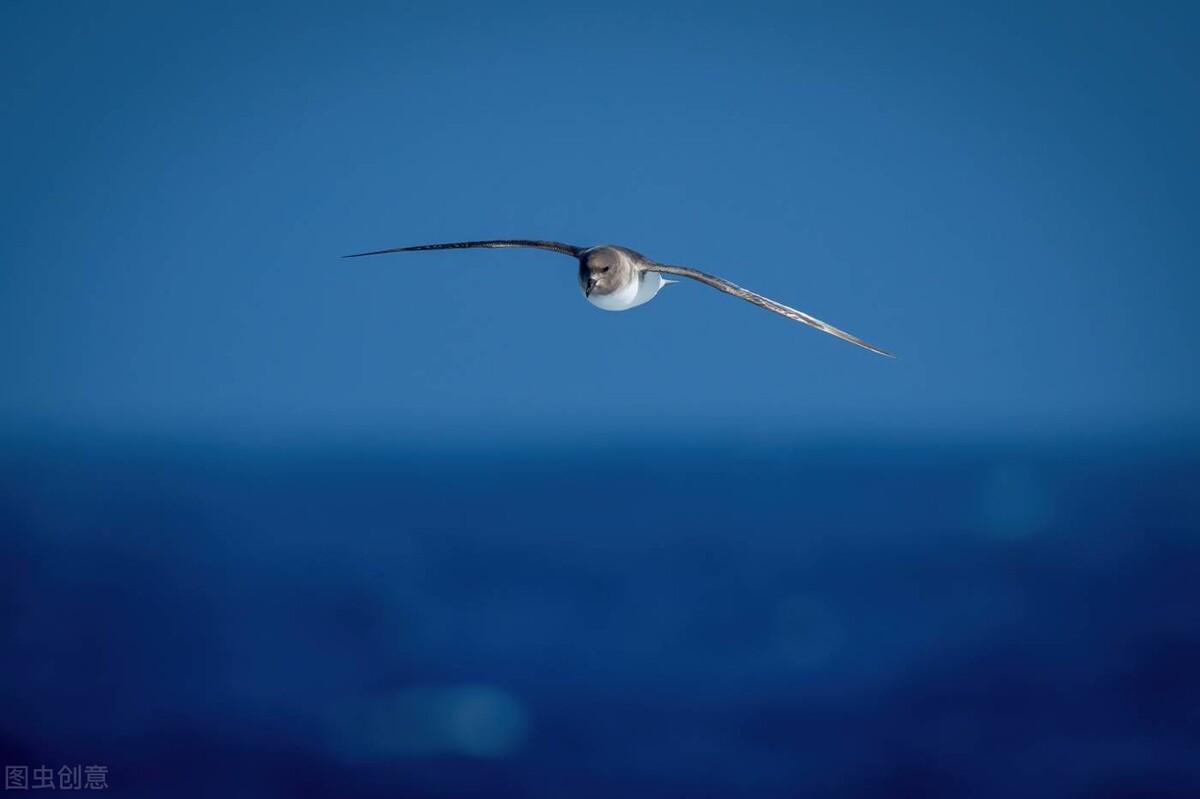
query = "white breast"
{"x": 650, "y": 285}
{"x": 630, "y": 296}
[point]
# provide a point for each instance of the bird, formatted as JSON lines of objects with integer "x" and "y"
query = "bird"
{"x": 616, "y": 278}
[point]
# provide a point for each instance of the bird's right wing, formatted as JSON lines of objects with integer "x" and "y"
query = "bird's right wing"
{"x": 763, "y": 302}
{"x": 553, "y": 246}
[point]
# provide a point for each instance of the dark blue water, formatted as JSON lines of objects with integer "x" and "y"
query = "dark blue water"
{"x": 808, "y": 618}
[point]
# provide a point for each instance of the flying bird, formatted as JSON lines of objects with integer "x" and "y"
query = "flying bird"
{"x": 618, "y": 278}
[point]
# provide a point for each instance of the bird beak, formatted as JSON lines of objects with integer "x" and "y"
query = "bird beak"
{"x": 591, "y": 284}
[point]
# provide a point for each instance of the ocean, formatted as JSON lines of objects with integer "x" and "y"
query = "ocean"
{"x": 793, "y": 618}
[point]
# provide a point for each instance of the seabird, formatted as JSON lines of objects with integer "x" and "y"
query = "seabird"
{"x": 618, "y": 278}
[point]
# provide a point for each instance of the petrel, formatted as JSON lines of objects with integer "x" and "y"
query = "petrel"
{"x": 618, "y": 278}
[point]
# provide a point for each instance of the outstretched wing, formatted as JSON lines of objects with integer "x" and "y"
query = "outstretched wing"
{"x": 763, "y": 302}
{"x": 554, "y": 246}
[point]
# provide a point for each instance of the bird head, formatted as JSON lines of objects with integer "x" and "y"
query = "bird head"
{"x": 603, "y": 270}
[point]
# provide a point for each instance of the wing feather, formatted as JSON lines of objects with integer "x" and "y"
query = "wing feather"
{"x": 553, "y": 246}
{"x": 721, "y": 284}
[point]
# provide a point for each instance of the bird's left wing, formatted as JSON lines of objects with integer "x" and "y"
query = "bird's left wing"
{"x": 762, "y": 302}
{"x": 553, "y": 246}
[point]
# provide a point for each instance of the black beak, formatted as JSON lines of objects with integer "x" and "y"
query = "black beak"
{"x": 591, "y": 284}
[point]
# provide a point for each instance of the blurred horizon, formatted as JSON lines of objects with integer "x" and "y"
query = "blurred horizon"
{"x": 458, "y": 438}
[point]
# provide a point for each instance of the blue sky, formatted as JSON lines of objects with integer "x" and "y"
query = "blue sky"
{"x": 1006, "y": 197}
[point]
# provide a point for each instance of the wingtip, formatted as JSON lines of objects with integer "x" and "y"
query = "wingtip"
{"x": 372, "y": 252}
{"x": 864, "y": 344}
{"x": 876, "y": 350}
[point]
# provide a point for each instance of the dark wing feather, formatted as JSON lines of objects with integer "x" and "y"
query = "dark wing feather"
{"x": 763, "y": 302}
{"x": 554, "y": 246}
